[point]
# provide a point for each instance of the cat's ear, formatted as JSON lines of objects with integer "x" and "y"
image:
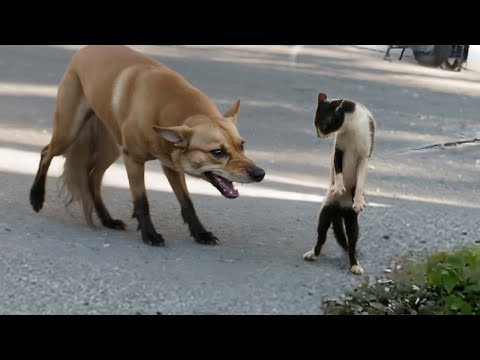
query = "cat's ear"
{"x": 336, "y": 104}
{"x": 322, "y": 97}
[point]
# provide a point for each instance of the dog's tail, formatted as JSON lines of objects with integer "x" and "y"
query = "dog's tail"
{"x": 84, "y": 161}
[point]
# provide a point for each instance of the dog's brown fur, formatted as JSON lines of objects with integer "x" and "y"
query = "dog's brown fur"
{"x": 113, "y": 100}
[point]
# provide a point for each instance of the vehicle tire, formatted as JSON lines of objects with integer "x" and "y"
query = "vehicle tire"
{"x": 435, "y": 57}
{"x": 452, "y": 64}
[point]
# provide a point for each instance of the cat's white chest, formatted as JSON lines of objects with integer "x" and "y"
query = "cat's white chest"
{"x": 354, "y": 136}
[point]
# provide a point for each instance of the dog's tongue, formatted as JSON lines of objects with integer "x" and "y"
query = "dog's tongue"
{"x": 227, "y": 188}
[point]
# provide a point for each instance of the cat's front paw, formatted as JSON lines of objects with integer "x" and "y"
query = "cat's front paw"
{"x": 359, "y": 205}
{"x": 337, "y": 189}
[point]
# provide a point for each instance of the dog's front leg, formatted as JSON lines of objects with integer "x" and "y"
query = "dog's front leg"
{"x": 358, "y": 200}
{"x": 141, "y": 211}
{"x": 179, "y": 186}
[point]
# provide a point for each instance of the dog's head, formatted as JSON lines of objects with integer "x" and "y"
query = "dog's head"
{"x": 212, "y": 149}
{"x": 330, "y": 114}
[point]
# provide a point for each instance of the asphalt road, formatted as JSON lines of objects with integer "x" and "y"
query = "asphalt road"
{"x": 52, "y": 263}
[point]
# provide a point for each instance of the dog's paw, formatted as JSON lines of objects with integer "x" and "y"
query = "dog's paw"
{"x": 37, "y": 203}
{"x": 114, "y": 224}
{"x": 310, "y": 256}
{"x": 207, "y": 238}
{"x": 337, "y": 189}
{"x": 357, "y": 270}
{"x": 37, "y": 197}
{"x": 359, "y": 205}
{"x": 152, "y": 238}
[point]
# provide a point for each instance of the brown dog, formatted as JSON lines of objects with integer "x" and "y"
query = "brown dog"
{"x": 113, "y": 100}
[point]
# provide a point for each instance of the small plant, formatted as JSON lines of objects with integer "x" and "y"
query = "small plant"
{"x": 456, "y": 277}
{"x": 443, "y": 283}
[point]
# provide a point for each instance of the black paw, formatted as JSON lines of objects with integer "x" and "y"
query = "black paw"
{"x": 152, "y": 238}
{"x": 206, "y": 238}
{"x": 37, "y": 197}
{"x": 114, "y": 224}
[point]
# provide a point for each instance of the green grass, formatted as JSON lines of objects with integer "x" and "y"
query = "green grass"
{"x": 441, "y": 284}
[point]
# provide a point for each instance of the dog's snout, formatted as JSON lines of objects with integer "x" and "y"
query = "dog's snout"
{"x": 257, "y": 174}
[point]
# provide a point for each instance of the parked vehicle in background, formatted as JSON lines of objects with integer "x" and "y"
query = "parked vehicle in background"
{"x": 450, "y": 57}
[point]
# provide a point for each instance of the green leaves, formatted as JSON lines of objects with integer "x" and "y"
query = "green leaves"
{"x": 444, "y": 276}
{"x": 450, "y": 280}
{"x": 443, "y": 283}
{"x": 456, "y": 305}
{"x": 455, "y": 276}
{"x": 473, "y": 288}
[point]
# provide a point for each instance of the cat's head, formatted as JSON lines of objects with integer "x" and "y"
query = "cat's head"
{"x": 330, "y": 114}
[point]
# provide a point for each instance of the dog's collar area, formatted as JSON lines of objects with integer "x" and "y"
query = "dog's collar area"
{"x": 223, "y": 185}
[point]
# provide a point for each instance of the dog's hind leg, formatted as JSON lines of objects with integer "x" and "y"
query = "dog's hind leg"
{"x": 324, "y": 221}
{"x": 141, "y": 211}
{"x": 71, "y": 114}
{"x": 105, "y": 153}
{"x": 351, "y": 226}
{"x": 177, "y": 182}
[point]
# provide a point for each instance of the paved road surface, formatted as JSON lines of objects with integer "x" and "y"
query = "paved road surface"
{"x": 52, "y": 263}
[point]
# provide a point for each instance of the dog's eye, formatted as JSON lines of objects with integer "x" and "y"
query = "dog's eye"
{"x": 218, "y": 153}
{"x": 242, "y": 147}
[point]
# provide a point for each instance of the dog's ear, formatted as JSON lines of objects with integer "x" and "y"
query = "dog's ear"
{"x": 233, "y": 109}
{"x": 231, "y": 113}
{"x": 336, "y": 104}
{"x": 178, "y": 135}
{"x": 322, "y": 97}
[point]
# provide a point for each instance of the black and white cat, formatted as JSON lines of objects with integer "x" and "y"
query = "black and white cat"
{"x": 354, "y": 128}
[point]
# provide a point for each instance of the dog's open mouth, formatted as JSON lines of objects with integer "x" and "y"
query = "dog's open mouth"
{"x": 223, "y": 185}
